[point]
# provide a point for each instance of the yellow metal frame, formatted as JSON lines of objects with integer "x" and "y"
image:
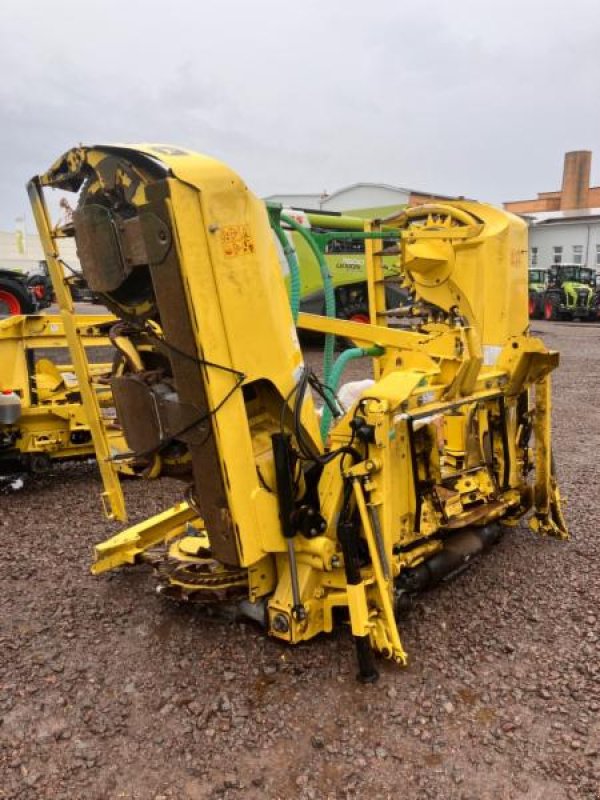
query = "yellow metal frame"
{"x": 51, "y": 413}
{"x": 114, "y": 502}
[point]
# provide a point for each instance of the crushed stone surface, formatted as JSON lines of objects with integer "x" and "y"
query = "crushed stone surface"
{"x": 109, "y": 691}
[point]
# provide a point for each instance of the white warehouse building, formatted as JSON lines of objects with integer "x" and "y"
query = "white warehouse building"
{"x": 565, "y": 237}
{"x": 363, "y": 197}
{"x": 23, "y": 251}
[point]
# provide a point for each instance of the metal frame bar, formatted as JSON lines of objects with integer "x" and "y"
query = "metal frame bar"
{"x": 112, "y": 496}
{"x": 127, "y": 546}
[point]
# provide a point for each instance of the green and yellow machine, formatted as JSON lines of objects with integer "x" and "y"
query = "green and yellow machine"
{"x": 339, "y": 239}
{"x": 538, "y": 280}
{"x": 301, "y": 525}
{"x": 570, "y": 293}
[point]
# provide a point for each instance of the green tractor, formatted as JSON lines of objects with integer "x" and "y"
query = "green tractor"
{"x": 538, "y": 280}
{"x": 570, "y": 293}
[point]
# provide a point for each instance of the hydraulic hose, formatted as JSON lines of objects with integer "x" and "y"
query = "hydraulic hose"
{"x": 336, "y": 373}
{"x": 327, "y": 290}
{"x": 292, "y": 261}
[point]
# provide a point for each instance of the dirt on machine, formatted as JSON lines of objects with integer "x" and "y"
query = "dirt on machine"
{"x": 303, "y": 521}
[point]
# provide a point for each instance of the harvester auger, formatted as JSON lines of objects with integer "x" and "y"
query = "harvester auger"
{"x": 295, "y": 525}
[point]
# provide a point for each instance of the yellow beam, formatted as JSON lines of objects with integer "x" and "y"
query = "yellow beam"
{"x": 114, "y": 502}
{"x": 358, "y": 331}
{"x": 125, "y": 547}
{"x": 384, "y": 586}
{"x": 375, "y": 287}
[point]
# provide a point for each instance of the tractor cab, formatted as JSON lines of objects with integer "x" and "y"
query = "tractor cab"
{"x": 538, "y": 280}
{"x": 570, "y": 292}
{"x": 559, "y": 274}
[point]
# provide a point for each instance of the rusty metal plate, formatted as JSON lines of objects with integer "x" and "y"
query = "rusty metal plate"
{"x": 152, "y": 414}
{"x": 131, "y": 242}
{"x": 98, "y": 248}
{"x": 137, "y": 412}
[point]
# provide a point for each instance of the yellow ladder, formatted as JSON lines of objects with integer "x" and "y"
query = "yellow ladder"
{"x": 112, "y": 496}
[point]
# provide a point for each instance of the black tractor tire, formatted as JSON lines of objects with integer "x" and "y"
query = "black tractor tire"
{"x": 14, "y": 298}
{"x": 551, "y": 307}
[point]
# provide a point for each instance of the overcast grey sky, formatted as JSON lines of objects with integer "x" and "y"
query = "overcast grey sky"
{"x": 459, "y": 97}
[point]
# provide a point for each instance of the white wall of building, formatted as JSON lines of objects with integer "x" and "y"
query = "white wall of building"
{"x": 365, "y": 196}
{"x": 296, "y": 200}
{"x": 569, "y": 236}
{"x": 25, "y": 252}
{"x": 358, "y": 195}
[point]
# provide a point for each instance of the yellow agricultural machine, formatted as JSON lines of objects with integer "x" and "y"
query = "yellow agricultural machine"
{"x": 302, "y": 524}
{"x": 42, "y": 419}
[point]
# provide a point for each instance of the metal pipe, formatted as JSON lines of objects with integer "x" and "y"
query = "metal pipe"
{"x": 336, "y": 374}
{"x": 327, "y": 290}
{"x": 284, "y": 478}
{"x": 455, "y": 556}
{"x": 292, "y": 262}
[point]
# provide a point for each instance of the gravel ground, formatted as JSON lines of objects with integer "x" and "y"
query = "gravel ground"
{"x": 108, "y": 691}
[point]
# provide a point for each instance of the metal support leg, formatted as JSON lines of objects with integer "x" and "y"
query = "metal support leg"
{"x": 548, "y": 518}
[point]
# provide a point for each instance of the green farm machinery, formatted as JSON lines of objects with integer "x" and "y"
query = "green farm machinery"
{"x": 538, "y": 280}
{"x": 570, "y": 293}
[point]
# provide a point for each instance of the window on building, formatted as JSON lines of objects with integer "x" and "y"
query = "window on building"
{"x": 534, "y": 256}
{"x": 578, "y": 254}
{"x": 558, "y": 253}
{"x": 598, "y": 255}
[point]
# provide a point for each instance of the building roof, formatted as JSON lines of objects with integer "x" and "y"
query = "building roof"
{"x": 368, "y": 184}
{"x": 391, "y": 188}
{"x": 295, "y": 194}
{"x": 572, "y": 215}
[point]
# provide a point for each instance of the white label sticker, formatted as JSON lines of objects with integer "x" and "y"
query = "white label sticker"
{"x": 490, "y": 354}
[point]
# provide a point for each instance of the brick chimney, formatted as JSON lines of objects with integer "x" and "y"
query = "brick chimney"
{"x": 576, "y": 179}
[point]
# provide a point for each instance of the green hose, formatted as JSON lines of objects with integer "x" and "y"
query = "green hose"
{"x": 274, "y": 212}
{"x": 336, "y": 373}
{"x": 292, "y": 261}
{"x": 327, "y": 290}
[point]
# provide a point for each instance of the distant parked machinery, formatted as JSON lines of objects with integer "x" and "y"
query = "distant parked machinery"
{"x": 570, "y": 293}
{"x": 538, "y": 280}
{"x": 42, "y": 419}
{"x": 24, "y": 294}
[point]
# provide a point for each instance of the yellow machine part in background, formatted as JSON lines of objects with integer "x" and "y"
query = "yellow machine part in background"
{"x": 50, "y": 424}
{"x": 450, "y": 442}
